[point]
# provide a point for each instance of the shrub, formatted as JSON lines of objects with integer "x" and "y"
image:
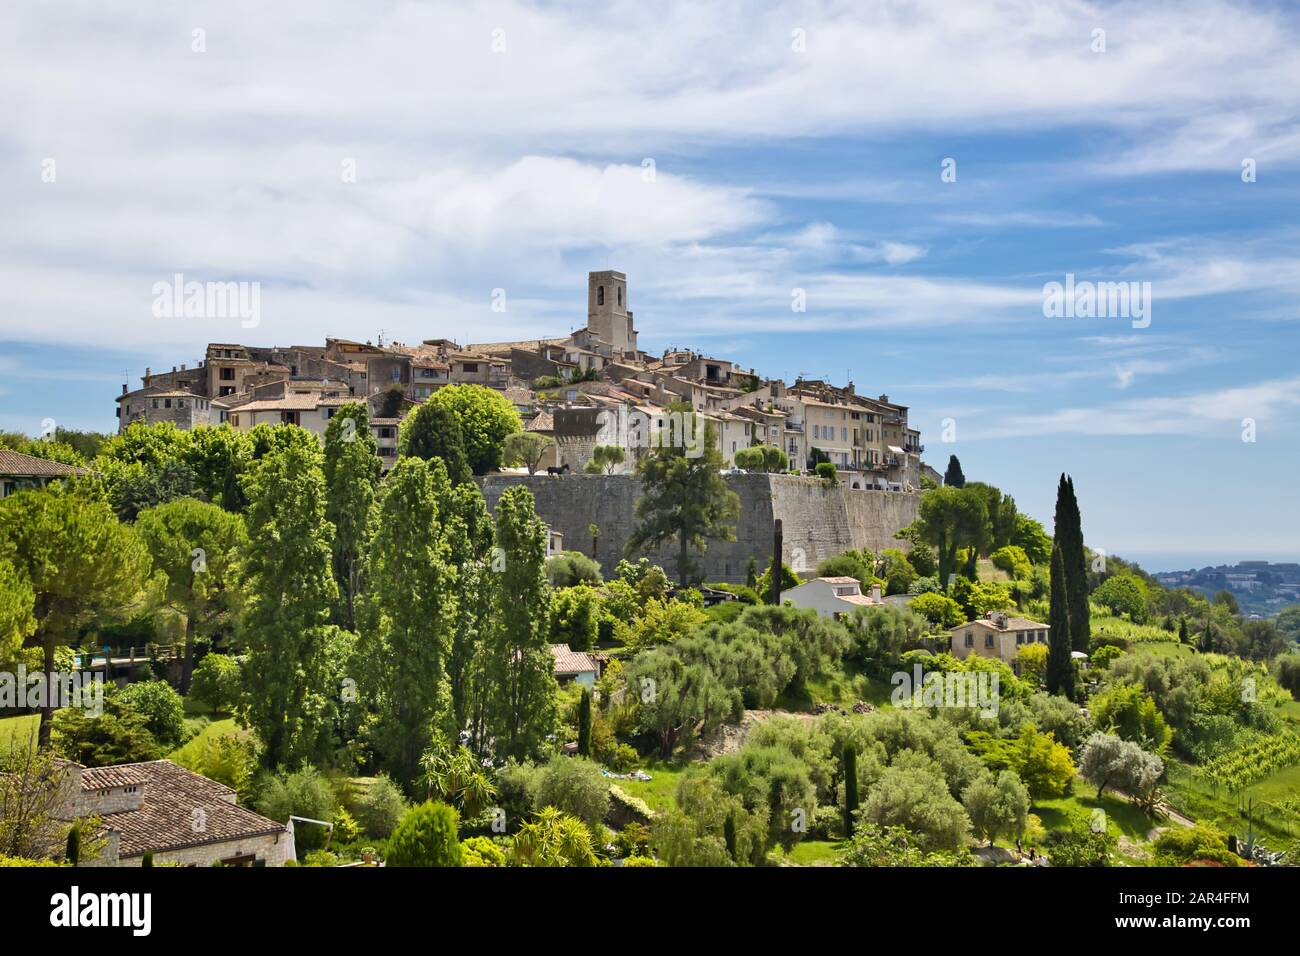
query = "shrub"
{"x": 216, "y": 681}
{"x": 574, "y": 786}
{"x": 481, "y": 851}
{"x": 826, "y": 472}
{"x": 938, "y": 610}
{"x": 572, "y": 567}
{"x": 302, "y": 793}
{"x": 163, "y": 710}
{"x": 575, "y": 617}
{"x": 380, "y": 807}
{"x": 1013, "y": 560}
{"x": 426, "y": 837}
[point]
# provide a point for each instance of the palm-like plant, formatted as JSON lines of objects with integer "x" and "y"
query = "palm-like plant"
{"x": 454, "y": 775}
{"x": 554, "y": 838}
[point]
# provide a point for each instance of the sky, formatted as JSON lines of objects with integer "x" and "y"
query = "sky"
{"x": 870, "y": 192}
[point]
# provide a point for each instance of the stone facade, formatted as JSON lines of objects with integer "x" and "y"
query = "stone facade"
{"x": 818, "y": 521}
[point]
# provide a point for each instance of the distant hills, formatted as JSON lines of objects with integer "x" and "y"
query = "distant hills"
{"x": 1260, "y": 587}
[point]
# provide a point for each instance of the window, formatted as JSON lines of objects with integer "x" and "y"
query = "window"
{"x": 988, "y": 640}
{"x": 385, "y": 432}
{"x": 397, "y": 373}
{"x": 469, "y": 367}
{"x": 620, "y": 296}
{"x": 970, "y": 640}
{"x": 167, "y": 403}
{"x": 227, "y": 374}
{"x": 600, "y": 295}
{"x": 155, "y": 403}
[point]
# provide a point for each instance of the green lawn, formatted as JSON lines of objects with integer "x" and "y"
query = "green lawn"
{"x": 16, "y": 729}
{"x": 809, "y": 853}
{"x": 225, "y": 726}
{"x": 660, "y": 790}
{"x": 1122, "y": 817}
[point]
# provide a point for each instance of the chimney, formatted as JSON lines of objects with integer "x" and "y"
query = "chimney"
{"x": 124, "y": 388}
{"x": 182, "y": 366}
{"x": 875, "y": 593}
{"x": 884, "y": 398}
{"x": 148, "y": 372}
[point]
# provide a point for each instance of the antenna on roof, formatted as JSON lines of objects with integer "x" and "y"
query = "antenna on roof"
{"x": 380, "y": 337}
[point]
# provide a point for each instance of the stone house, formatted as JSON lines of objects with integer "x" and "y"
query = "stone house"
{"x": 996, "y": 635}
{"x": 571, "y": 665}
{"x": 179, "y": 816}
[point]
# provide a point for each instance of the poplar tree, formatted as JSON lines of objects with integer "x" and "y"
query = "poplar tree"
{"x": 469, "y": 534}
{"x": 292, "y": 668}
{"x": 1060, "y": 666}
{"x": 519, "y": 671}
{"x": 1068, "y": 532}
{"x": 76, "y": 563}
{"x": 351, "y": 477}
{"x": 850, "y": 788}
{"x": 407, "y": 615}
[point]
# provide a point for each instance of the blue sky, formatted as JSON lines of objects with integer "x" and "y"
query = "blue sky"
{"x": 793, "y": 147}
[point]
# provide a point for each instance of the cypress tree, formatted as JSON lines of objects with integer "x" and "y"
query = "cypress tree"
{"x": 146, "y": 862}
{"x": 850, "y": 788}
{"x": 1060, "y": 666}
{"x": 584, "y": 723}
{"x": 729, "y": 836}
{"x": 1069, "y": 533}
{"x": 953, "y": 476}
{"x": 73, "y": 852}
{"x": 1182, "y": 631}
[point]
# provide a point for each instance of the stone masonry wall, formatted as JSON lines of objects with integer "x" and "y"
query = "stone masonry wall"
{"x": 817, "y": 521}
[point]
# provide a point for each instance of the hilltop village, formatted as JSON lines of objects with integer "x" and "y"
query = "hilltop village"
{"x": 593, "y": 387}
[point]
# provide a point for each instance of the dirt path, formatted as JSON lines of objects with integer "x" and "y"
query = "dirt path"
{"x": 729, "y": 738}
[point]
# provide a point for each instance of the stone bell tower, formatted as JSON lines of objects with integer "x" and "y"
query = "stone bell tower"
{"x": 608, "y": 317}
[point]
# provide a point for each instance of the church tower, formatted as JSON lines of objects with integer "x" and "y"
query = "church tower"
{"x": 608, "y": 317}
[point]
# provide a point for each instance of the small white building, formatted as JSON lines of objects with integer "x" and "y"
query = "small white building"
{"x": 571, "y": 665}
{"x": 997, "y": 635}
{"x": 832, "y": 597}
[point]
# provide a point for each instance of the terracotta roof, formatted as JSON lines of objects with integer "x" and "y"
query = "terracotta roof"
{"x": 542, "y": 422}
{"x": 166, "y": 819}
{"x": 569, "y": 661}
{"x": 1013, "y": 624}
{"x": 15, "y": 463}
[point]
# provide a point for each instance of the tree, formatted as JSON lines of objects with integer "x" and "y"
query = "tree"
{"x": 82, "y": 565}
{"x": 764, "y": 583}
{"x": 304, "y": 793}
{"x": 941, "y": 611}
{"x": 519, "y": 682}
{"x": 762, "y": 458}
{"x": 1013, "y": 560}
{"x": 952, "y": 476}
{"x": 996, "y": 806}
{"x": 120, "y": 734}
{"x": 575, "y": 617}
{"x": 406, "y": 616}
{"x": 850, "y": 772}
{"x": 1069, "y": 536}
{"x": 427, "y": 836}
{"x": 606, "y": 458}
{"x": 433, "y": 430}
{"x": 16, "y": 619}
{"x": 1108, "y": 761}
{"x": 217, "y": 680}
{"x": 708, "y": 826}
{"x": 1060, "y": 665}
{"x": 527, "y": 449}
{"x": 351, "y": 472}
{"x": 684, "y": 498}
{"x": 72, "y": 850}
{"x": 917, "y": 799}
{"x": 196, "y": 546}
{"x": 391, "y": 405}
{"x": 575, "y": 787}
{"x": 292, "y": 667}
{"x": 1131, "y": 713}
{"x": 1123, "y": 594}
{"x": 455, "y": 776}
{"x": 584, "y": 723}
{"x": 950, "y": 519}
{"x": 678, "y": 698}
{"x": 162, "y": 707}
{"x": 33, "y": 793}
{"x": 874, "y": 845}
{"x": 1183, "y": 637}
{"x": 1030, "y": 537}
{"x": 485, "y": 418}
{"x": 827, "y": 472}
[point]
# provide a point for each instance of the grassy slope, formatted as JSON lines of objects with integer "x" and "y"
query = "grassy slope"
{"x": 16, "y": 729}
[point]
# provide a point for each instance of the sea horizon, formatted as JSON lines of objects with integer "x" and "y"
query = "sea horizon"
{"x": 1158, "y": 562}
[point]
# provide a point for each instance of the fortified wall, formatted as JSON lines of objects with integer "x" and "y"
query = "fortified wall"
{"x": 818, "y": 522}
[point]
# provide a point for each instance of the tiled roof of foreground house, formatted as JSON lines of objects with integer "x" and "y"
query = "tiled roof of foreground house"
{"x": 568, "y": 661}
{"x": 16, "y": 463}
{"x": 166, "y": 818}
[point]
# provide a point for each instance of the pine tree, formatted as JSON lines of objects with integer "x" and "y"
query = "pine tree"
{"x": 953, "y": 477}
{"x": 1068, "y": 531}
{"x": 519, "y": 682}
{"x": 850, "y": 788}
{"x": 584, "y": 723}
{"x": 292, "y": 673}
{"x": 1060, "y": 665}
{"x": 351, "y": 477}
{"x": 406, "y": 617}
